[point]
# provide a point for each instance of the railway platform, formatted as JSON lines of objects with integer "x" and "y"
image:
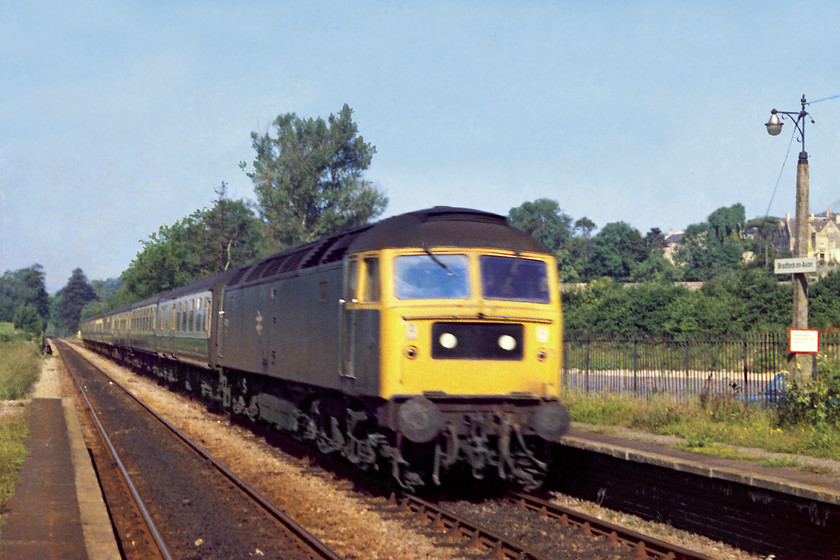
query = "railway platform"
{"x": 805, "y": 477}
{"x": 783, "y": 505}
{"x": 57, "y": 511}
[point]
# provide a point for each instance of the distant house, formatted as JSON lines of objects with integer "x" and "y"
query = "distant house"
{"x": 823, "y": 235}
{"x": 671, "y": 241}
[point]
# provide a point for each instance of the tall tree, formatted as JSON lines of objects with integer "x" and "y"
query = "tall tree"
{"x": 72, "y": 298}
{"x": 616, "y": 251}
{"x": 21, "y": 287}
{"x": 190, "y": 249}
{"x": 308, "y": 177}
{"x": 544, "y": 220}
{"x": 713, "y": 247}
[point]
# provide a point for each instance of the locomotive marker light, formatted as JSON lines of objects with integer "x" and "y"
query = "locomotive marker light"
{"x": 800, "y": 281}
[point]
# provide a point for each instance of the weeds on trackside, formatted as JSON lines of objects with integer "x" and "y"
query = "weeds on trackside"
{"x": 19, "y": 369}
{"x": 709, "y": 421}
{"x": 13, "y": 433}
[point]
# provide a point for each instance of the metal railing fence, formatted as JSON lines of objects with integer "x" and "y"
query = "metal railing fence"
{"x": 684, "y": 367}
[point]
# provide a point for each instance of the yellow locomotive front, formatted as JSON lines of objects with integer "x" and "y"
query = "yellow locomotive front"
{"x": 470, "y": 322}
{"x": 469, "y": 354}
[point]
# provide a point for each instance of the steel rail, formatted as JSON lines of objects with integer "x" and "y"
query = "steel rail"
{"x": 644, "y": 546}
{"x": 499, "y": 546}
{"x": 137, "y": 500}
{"x": 311, "y": 540}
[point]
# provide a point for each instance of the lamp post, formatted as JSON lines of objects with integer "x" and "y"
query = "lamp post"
{"x": 800, "y": 248}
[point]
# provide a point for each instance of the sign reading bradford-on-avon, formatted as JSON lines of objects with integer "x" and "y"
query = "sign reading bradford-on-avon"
{"x": 795, "y": 266}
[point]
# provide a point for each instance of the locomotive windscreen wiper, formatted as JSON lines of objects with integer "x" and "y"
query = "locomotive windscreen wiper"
{"x": 439, "y": 262}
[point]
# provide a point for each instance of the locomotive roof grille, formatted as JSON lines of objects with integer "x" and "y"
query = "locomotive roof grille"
{"x": 424, "y": 228}
{"x": 237, "y": 277}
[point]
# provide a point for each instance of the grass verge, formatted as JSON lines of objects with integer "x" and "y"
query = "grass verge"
{"x": 703, "y": 423}
{"x": 13, "y": 433}
{"x": 19, "y": 369}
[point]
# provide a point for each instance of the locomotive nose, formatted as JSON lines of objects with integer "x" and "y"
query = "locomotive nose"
{"x": 550, "y": 421}
{"x": 419, "y": 419}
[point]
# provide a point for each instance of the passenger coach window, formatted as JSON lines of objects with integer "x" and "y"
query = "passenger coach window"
{"x": 432, "y": 276}
{"x": 514, "y": 279}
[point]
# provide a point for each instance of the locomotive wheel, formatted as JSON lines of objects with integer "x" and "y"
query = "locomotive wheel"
{"x": 323, "y": 428}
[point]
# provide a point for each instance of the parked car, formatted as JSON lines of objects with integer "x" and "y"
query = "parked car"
{"x": 770, "y": 396}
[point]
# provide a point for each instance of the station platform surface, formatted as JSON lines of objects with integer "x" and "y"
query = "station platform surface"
{"x": 807, "y": 477}
{"x": 57, "y": 511}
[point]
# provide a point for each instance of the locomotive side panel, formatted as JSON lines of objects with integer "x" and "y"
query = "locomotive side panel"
{"x": 291, "y": 329}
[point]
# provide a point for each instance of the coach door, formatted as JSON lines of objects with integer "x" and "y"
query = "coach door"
{"x": 220, "y": 323}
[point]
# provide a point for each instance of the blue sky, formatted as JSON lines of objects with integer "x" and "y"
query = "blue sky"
{"x": 119, "y": 117}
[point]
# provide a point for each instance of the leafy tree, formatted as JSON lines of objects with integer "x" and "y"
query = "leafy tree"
{"x": 585, "y": 226}
{"x": 204, "y": 243}
{"x": 22, "y": 287}
{"x": 709, "y": 249}
{"x": 106, "y": 297}
{"x": 26, "y": 319}
{"x": 824, "y": 303}
{"x": 308, "y": 178}
{"x": 655, "y": 239}
{"x": 655, "y": 268}
{"x": 616, "y": 250}
{"x": 71, "y": 299}
{"x": 727, "y": 222}
{"x": 544, "y": 220}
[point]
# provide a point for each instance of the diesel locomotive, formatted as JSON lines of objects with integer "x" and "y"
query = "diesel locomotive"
{"x": 427, "y": 342}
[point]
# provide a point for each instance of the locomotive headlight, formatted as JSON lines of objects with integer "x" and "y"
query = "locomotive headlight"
{"x": 448, "y": 340}
{"x": 507, "y": 342}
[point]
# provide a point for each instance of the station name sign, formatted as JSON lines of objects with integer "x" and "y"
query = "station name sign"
{"x": 795, "y": 266}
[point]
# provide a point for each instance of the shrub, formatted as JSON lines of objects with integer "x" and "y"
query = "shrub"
{"x": 19, "y": 369}
{"x": 814, "y": 401}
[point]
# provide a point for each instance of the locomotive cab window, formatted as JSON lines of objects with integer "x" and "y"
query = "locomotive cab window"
{"x": 432, "y": 276}
{"x": 514, "y": 279}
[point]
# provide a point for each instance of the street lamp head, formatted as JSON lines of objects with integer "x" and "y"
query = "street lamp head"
{"x": 774, "y": 125}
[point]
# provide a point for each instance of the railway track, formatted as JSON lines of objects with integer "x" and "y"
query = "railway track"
{"x": 190, "y": 505}
{"x": 580, "y": 535}
{"x": 643, "y": 546}
{"x": 458, "y": 529}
